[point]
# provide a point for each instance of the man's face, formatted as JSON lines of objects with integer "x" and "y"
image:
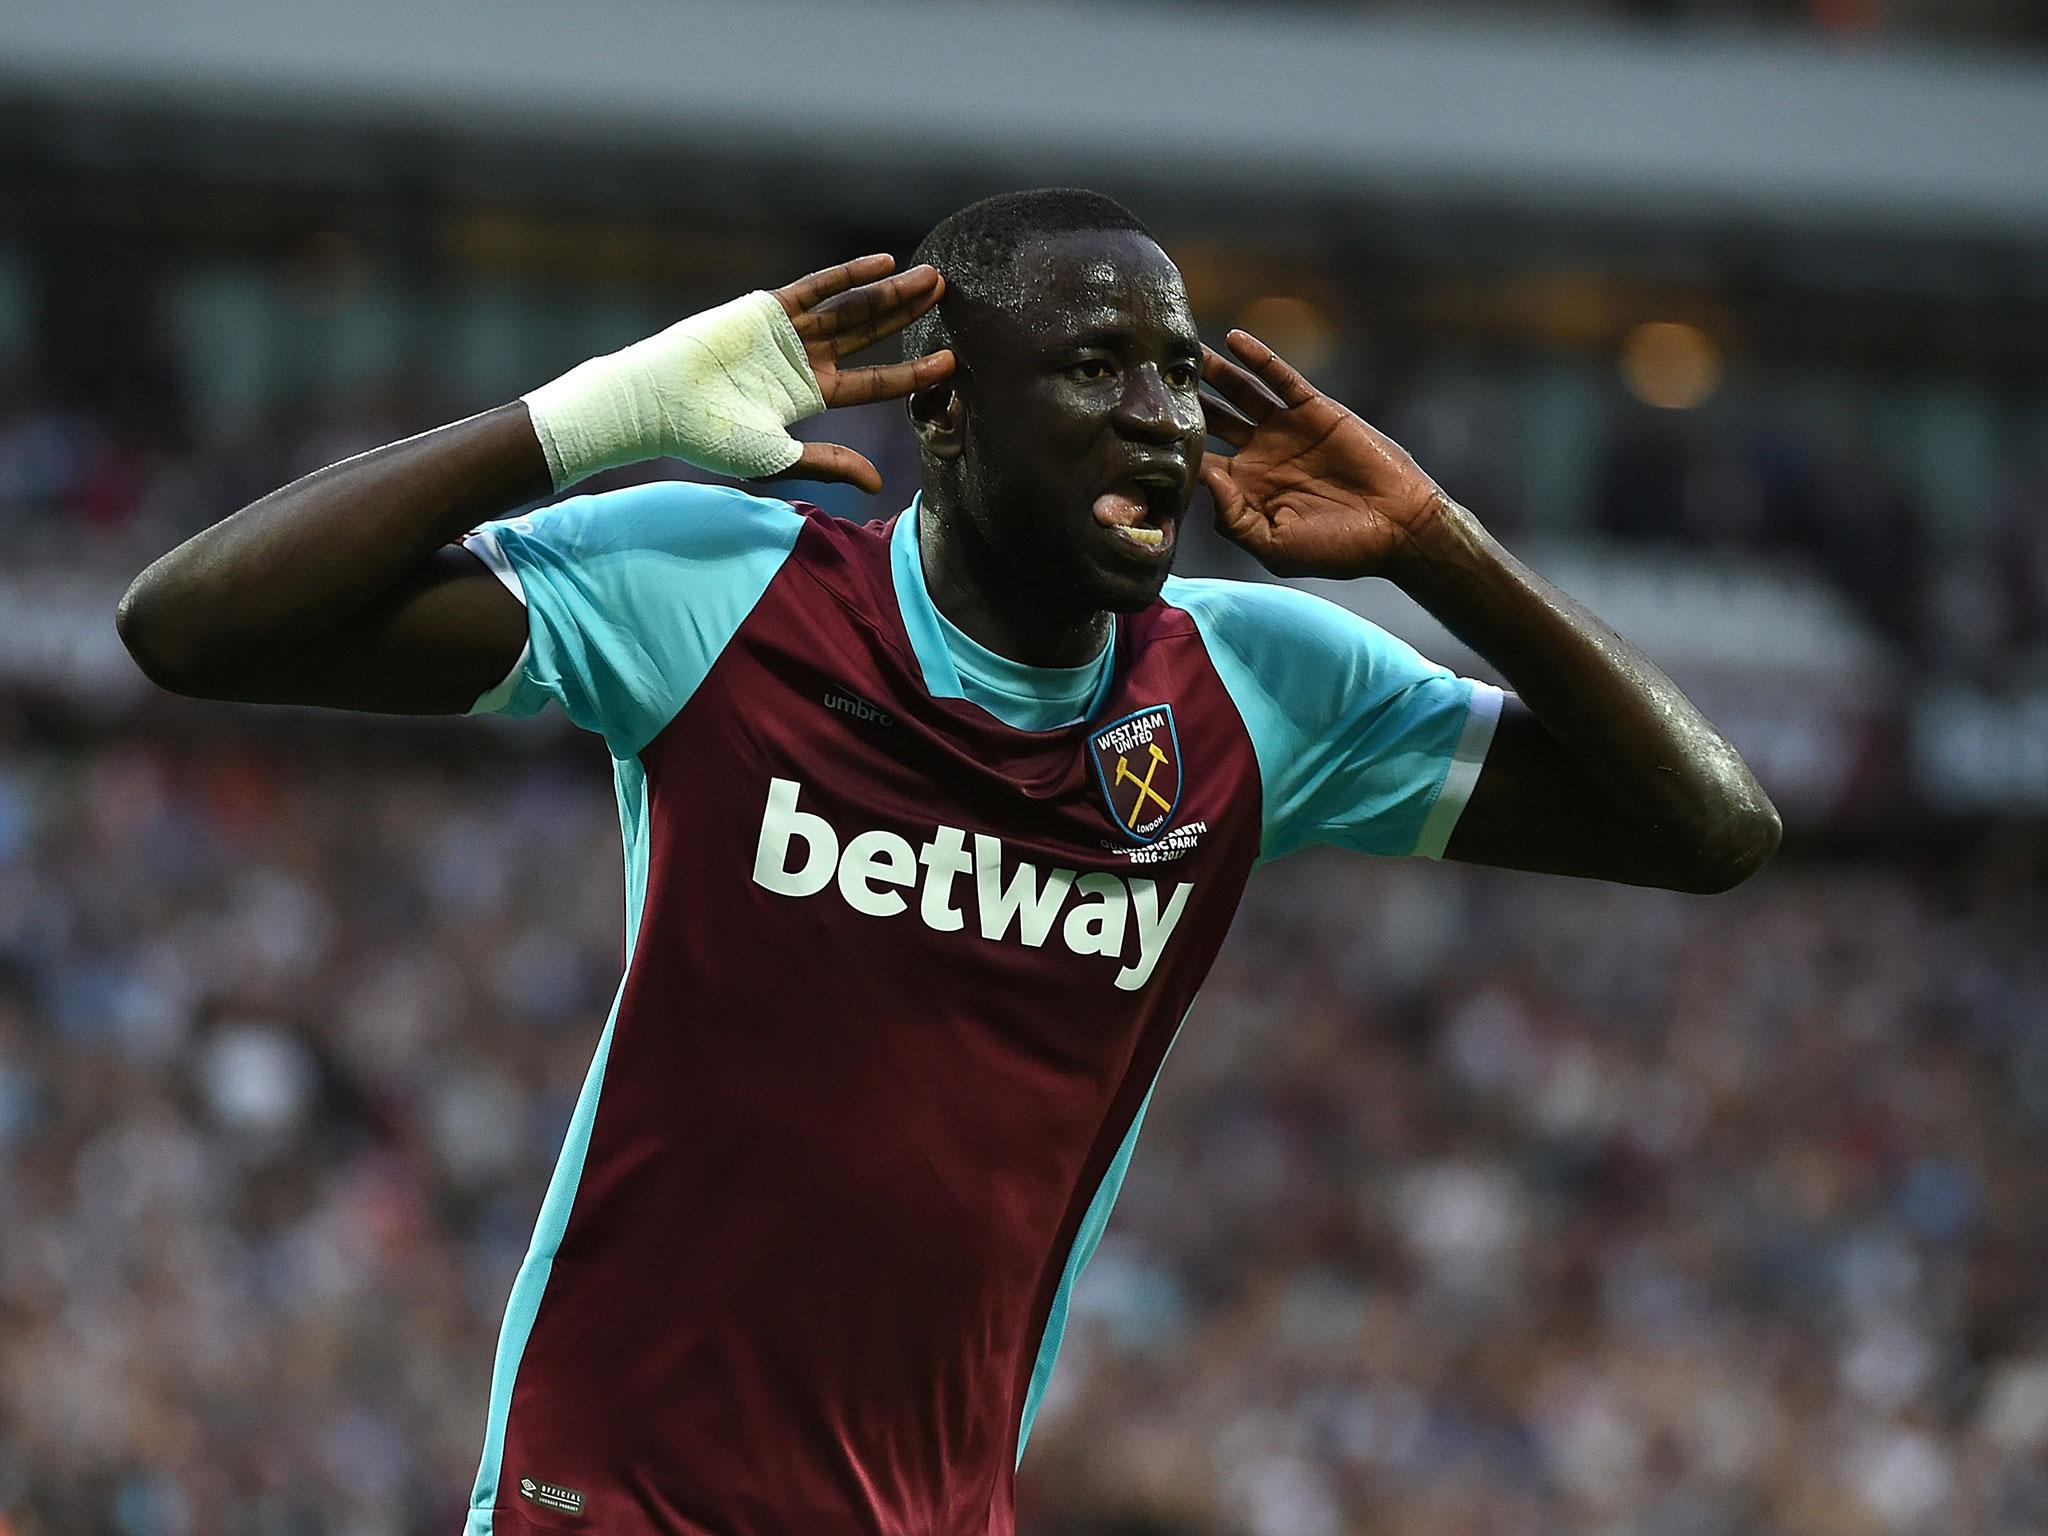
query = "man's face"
{"x": 1084, "y": 425}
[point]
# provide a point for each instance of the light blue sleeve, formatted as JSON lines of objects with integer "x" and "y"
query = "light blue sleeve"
{"x": 1360, "y": 741}
{"x": 630, "y": 596}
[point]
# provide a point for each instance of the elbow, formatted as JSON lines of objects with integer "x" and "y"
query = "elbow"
{"x": 1740, "y": 847}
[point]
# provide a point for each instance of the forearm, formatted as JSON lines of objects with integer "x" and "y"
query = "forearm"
{"x": 1658, "y": 762}
{"x": 289, "y": 568}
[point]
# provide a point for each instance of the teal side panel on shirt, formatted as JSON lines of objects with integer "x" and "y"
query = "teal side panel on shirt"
{"x": 631, "y": 594}
{"x": 527, "y": 1288}
{"x": 629, "y": 781}
{"x": 1086, "y": 1241}
{"x": 1355, "y": 733}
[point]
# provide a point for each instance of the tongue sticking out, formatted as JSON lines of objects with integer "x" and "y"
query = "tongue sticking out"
{"x": 1119, "y": 509}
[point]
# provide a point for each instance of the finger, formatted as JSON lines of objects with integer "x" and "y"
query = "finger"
{"x": 889, "y": 381}
{"x": 862, "y": 324}
{"x": 857, "y": 306}
{"x": 1273, "y": 370}
{"x": 808, "y": 292}
{"x": 1252, "y": 399}
{"x": 1226, "y": 421}
{"x": 831, "y": 462}
{"x": 1235, "y": 519}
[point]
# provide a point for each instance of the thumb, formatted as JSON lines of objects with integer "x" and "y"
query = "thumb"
{"x": 831, "y": 462}
{"x": 1235, "y": 519}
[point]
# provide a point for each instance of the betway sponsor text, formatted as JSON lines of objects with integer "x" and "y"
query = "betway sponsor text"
{"x": 800, "y": 854}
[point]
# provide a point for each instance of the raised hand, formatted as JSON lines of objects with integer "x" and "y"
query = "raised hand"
{"x": 1312, "y": 489}
{"x": 837, "y": 312}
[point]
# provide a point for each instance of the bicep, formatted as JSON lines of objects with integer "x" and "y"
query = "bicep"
{"x": 1533, "y": 808}
{"x": 432, "y": 645}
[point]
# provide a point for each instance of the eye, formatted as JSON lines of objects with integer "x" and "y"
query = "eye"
{"x": 1183, "y": 376}
{"x": 1092, "y": 368}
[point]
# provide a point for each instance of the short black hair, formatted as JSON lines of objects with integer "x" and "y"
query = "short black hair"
{"x": 976, "y": 250}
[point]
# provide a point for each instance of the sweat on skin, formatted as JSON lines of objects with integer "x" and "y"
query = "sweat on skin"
{"x": 873, "y": 868}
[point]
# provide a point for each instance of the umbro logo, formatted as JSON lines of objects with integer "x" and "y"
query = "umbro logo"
{"x": 855, "y": 707}
{"x": 552, "y": 1495}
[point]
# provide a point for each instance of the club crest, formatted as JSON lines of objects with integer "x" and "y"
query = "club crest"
{"x": 1137, "y": 763}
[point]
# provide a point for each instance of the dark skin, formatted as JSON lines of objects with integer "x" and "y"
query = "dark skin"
{"x": 348, "y": 588}
{"x": 1600, "y": 766}
{"x": 1090, "y": 376}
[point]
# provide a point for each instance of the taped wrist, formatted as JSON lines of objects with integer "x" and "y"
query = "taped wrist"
{"x": 718, "y": 389}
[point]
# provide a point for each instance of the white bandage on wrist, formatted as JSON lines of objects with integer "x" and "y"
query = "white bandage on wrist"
{"x": 716, "y": 389}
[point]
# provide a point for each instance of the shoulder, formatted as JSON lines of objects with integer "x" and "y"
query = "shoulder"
{"x": 1265, "y": 624}
{"x": 1267, "y": 604}
{"x": 666, "y": 517}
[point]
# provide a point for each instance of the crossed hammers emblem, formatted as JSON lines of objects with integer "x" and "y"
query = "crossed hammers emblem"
{"x": 1145, "y": 789}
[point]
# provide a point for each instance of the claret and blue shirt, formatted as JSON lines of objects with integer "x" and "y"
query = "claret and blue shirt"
{"x": 910, "y": 928}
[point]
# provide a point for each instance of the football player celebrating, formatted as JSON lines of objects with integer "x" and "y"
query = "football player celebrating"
{"x": 933, "y": 826}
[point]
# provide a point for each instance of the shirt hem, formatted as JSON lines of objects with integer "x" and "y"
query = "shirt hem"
{"x": 484, "y": 545}
{"x": 1481, "y": 718}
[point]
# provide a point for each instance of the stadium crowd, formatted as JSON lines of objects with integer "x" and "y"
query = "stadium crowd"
{"x": 114, "y": 488}
{"x": 1468, "y": 1204}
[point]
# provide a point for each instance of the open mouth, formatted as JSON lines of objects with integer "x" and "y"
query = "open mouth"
{"x": 1142, "y": 512}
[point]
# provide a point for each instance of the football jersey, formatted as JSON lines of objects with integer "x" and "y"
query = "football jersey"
{"x": 909, "y": 931}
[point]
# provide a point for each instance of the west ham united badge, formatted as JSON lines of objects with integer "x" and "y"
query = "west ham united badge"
{"x": 1137, "y": 763}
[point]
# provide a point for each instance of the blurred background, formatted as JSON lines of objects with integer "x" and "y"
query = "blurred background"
{"x": 1471, "y": 1204}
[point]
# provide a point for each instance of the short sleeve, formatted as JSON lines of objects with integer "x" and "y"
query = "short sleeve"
{"x": 1361, "y": 742}
{"x": 630, "y": 597}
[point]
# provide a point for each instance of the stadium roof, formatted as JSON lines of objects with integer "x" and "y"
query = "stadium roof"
{"x": 883, "y": 95}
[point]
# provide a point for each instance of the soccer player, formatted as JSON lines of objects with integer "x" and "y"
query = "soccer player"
{"x": 932, "y": 825}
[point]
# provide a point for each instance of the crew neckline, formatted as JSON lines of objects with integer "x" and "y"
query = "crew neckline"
{"x": 956, "y": 666}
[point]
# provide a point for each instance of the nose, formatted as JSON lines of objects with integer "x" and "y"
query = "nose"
{"x": 1148, "y": 410}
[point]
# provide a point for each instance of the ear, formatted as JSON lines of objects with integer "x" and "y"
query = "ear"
{"x": 939, "y": 418}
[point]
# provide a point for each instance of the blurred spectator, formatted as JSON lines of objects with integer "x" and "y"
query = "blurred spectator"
{"x": 78, "y": 488}
{"x": 1462, "y": 1208}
